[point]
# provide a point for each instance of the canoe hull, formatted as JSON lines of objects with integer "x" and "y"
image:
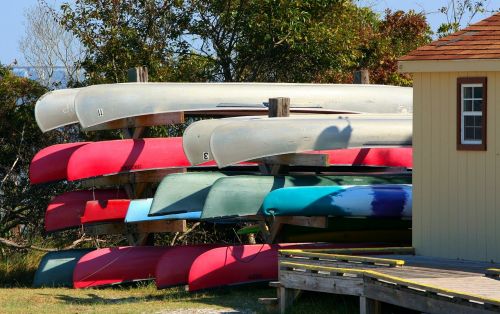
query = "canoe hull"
{"x": 56, "y": 268}
{"x": 113, "y": 210}
{"x": 189, "y": 194}
{"x": 111, "y": 157}
{"x": 139, "y": 209}
{"x": 235, "y": 265}
{"x": 117, "y": 265}
{"x": 383, "y": 200}
{"x": 56, "y": 109}
{"x": 98, "y": 104}
{"x": 173, "y": 267}
{"x": 243, "y": 195}
{"x": 50, "y": 164}
{"x": 64, "y": 211}
{"x": 230, "y": 143}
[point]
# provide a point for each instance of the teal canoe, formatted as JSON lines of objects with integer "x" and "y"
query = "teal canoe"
{"x": 183, "y": 192}
{"x": 379, "y": 200}
{"x": 56, "y": 268}
{"x": 244, "y": 195}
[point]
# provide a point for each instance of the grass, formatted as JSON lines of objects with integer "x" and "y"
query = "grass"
{"x": 18, "y": 269}
{"x": 147, "y": 299}
{"x": 17, "y": 296}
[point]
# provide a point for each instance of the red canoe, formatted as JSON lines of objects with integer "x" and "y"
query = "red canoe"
{"x": 375, "y": 157}
{"x": 77, "y": 161}
{"x": 113, "y": 210}
{"x": 110, "y": 157}
{"x": 173, "y": 267}
{"x": 232, "y": 265}
{"x": 65, "y": 210}
{"x": 50, "y": 163}
{"x": 117, "y": 265}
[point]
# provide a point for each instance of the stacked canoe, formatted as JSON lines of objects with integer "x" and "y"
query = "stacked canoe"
{"x": 361, "y": 194}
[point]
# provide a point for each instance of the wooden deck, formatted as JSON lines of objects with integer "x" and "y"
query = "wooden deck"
{"x": 419, "y": 283}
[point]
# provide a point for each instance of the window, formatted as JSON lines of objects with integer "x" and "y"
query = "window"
{"x": 471, "y": 113}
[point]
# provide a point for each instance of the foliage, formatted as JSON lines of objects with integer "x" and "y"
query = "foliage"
{"x": 394, "y": 36}
{"x": 119, "y": 35}
{"x": 194, "y": 40}
{"x": 232, "y": 40}
{"x": 21, "y": 204}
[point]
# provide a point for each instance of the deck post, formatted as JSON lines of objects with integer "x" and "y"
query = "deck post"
{"x": 286, "y": 298}
{"x": 362, "y": 77}
{"x": 369, "y": 306}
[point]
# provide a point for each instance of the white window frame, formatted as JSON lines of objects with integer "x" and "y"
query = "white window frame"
{"x": 469, "y": 113}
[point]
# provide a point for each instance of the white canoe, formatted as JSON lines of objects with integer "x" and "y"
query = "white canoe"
{"x": 247, "y": 138}
{"x": 56, "y": 109}
{"x": 196, "y": 138}
{"x": 99, "y": 104}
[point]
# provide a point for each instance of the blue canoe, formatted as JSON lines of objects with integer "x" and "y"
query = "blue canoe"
{"x": 384, "y": 200}
{"x": 138, "y": 211}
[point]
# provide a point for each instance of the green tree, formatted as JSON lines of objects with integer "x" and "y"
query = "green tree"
{"x": 233, "y": 40}
{"x": 118, "y": 35}
{"x": 21, "y": 204}
{"x": 394, "y": 36}
{"x": 278, "y": 40}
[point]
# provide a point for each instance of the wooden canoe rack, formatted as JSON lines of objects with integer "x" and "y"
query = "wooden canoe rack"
{"x": 273, "y": 165}
{"x": 134, "y": 177}
{"x": 140, "y": 228}
{"x": 270, "y": 230}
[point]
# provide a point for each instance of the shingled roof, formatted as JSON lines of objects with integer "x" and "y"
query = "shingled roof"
{"x": 478, "y": 41}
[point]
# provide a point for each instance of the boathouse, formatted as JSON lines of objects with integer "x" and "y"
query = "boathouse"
{"x": 456, "y": 142}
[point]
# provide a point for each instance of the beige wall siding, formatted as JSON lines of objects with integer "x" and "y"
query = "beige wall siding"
{"x": 456, "y": 196}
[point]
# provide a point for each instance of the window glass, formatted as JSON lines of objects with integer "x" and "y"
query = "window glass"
{"x": 478, "y": 92}
{"x": 472, "y": 120}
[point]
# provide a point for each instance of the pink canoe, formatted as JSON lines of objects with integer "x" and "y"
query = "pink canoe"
{"x": 233, "y": 265}
{"x": 113, "y": 210}
{"x": 65, "y": 210}
{"x": 111, "y": 157}
{"x": 76, "y": 161}
{"x": 109, "y": 266}
{"x": 173, "y": 267}
{"x": 50, "y": 163}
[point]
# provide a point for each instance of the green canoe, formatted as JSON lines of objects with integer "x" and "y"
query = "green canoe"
{"x": 56, "y": 268}
{"x": 183, "y": 192}
{"x": 243, "y": 195}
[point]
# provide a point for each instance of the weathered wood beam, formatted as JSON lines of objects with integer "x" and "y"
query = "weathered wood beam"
{"x": 160, "y": 226}
{"x": 299, "y": 159}
{"x": 271, "y": 233}
{"x": 143, "y": 176}
{"x": 146, "y": 227}
{"x": 105, "y": 228}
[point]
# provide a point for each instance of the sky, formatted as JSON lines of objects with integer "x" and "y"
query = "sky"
{"x": 12, "y": 19}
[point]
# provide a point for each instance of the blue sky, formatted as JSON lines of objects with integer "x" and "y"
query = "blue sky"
{"x": 12, "y": 19}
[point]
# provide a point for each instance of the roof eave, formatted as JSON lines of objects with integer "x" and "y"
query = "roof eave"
{"x": 461, "y": 65}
